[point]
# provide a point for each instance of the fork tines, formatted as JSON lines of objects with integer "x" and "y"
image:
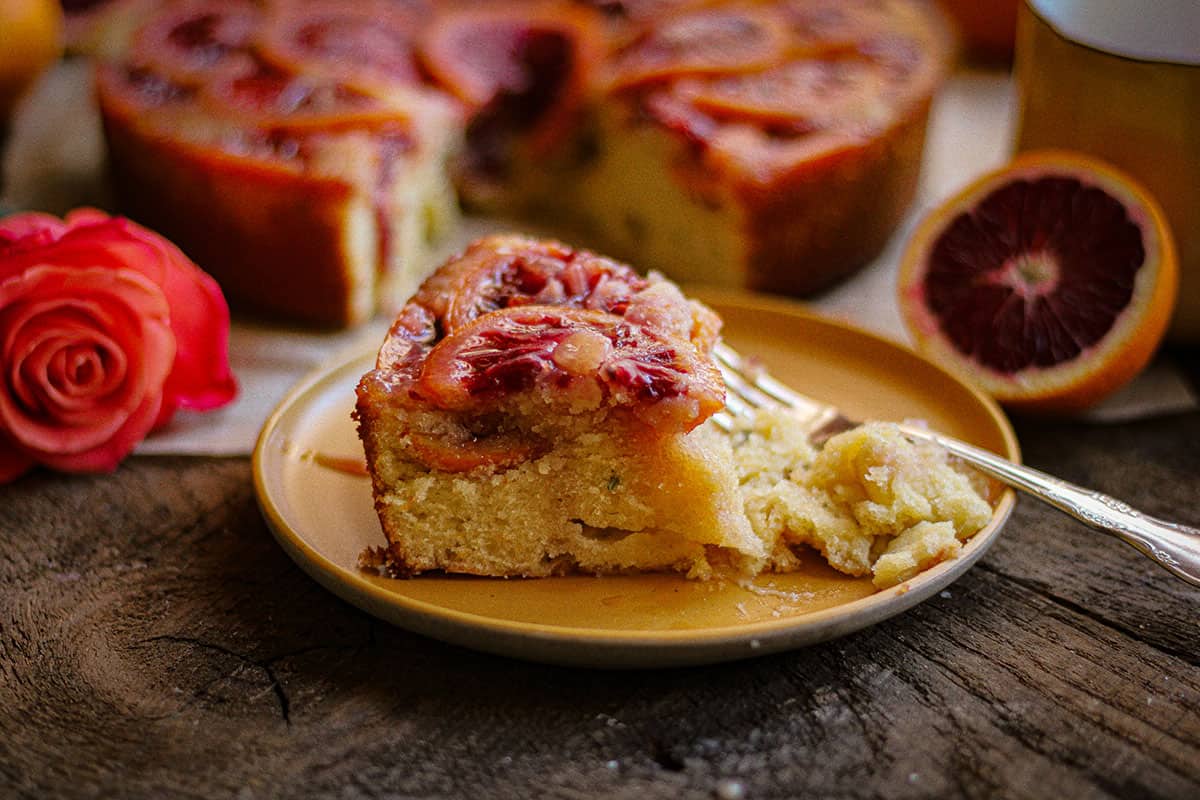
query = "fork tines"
{"x": 749, "y": 387}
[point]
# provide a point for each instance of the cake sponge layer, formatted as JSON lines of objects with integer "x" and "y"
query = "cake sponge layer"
{"x": 602, "y": 502}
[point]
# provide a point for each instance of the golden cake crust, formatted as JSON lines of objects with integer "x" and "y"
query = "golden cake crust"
{"x": 253, "y": 221}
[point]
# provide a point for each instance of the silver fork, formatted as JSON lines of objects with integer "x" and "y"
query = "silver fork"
{"x": 1173, "y": 546}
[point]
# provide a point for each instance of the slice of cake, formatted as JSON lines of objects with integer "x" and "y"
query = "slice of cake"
{"x": 537, "y": 410}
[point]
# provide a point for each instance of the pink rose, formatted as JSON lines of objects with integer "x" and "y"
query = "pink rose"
{"x": 105, "y": 330}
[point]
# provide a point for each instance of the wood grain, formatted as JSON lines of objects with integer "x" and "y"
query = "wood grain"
{"x": 154, "y": 641}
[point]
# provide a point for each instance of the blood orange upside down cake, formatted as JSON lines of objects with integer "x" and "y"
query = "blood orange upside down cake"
{"x": 538, "y": 410}
{"x": 303, "y": 151}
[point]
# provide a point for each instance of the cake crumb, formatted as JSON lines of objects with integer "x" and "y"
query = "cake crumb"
{"x": 870, "y": 501}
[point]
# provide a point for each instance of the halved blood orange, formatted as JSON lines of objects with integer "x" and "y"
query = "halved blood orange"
{"x": 1050, "y": 282}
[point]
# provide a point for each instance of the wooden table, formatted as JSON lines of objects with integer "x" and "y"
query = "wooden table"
{"x": 155, "y": 641}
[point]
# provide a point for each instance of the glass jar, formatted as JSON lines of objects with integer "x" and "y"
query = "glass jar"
{"x": 1121, "y": 80}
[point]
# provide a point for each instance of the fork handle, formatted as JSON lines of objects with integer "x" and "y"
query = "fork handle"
{"x": 1173, "y": 546}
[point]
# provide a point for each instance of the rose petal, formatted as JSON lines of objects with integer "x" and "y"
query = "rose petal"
{"x": 57, "y": 393}
{"x": 114, "y": 312}
{"x": 201, "y": 378}
{"x": 84, "y": 383}
{"x": 40, "y": 328}
{"x": 85, "y": 215}
{"x": 108, "y": 456}
{"x": 74, "y": 375}
{"x": 13, "y": 462}
{"x": 23, "y": 232}
{"x": 78, "y": 252}
{"x": 45, "y": 427}
{"x": 83, "y": 373}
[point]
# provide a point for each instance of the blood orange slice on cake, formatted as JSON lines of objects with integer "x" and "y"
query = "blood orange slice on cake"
{"x": 1050, "y": 282}
{"x": 703, "y": 42}
{"x": 193, "y": 39}
{"x": 366, "y": 43}
{"x": 517, "y": 66}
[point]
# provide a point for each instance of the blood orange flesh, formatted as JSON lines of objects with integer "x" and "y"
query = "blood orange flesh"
{"x": 1050, "y": 282}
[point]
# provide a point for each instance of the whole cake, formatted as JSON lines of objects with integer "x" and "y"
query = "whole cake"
{"x": 304, "y": 151}
{"x": 539, "y": 410}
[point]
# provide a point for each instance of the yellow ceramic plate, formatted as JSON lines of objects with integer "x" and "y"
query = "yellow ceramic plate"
{"x": 323, "y": 516}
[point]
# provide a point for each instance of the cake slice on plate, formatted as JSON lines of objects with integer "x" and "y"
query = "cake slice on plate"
{"x": 538, "y": 410}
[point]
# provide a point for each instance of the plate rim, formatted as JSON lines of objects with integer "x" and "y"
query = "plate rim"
{"x": 660, "y": 647}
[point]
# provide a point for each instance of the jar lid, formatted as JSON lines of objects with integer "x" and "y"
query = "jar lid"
{"x": 1162, "y": 30}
